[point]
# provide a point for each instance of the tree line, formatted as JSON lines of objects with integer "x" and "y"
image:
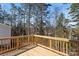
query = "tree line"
{"x": 33, "y": 18}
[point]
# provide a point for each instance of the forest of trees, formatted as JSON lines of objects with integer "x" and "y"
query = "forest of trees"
{"x": 31, "y": 18}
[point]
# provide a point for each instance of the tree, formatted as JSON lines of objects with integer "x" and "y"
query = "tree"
{"x": 61, "y": 28}
{"x": 27, "y": 14}
{"x": 42, "y": 8}
{"x": 1, "y": 15}
{"x": 14, "y": 13}
{"x": 74, "y": 12}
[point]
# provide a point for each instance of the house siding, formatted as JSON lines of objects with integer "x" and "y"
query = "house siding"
{"x": 5, "y": 31}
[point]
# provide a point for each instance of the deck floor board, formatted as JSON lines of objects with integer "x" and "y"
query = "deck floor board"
{"x": 39, "y": 51}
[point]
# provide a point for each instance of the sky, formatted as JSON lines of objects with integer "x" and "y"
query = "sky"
{"x": 7, "y": 6}
{"x": 64, "y": 8}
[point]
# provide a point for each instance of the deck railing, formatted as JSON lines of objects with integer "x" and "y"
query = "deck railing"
{"x": 59, "y": 45}
{"x": 16, "y": 42}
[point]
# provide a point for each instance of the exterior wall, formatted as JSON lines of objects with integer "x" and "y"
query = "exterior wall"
{"x": 5, "y": 31}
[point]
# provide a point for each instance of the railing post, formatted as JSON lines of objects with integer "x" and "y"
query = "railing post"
{"x": 50, "y": 43}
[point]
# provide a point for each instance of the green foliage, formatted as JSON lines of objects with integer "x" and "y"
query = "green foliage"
{"x": 61, "y": 30}
{"x": 74, "y": 11}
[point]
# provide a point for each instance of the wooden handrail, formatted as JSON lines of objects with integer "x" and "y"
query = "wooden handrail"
{"x": 54, "y": 38}
{"x": 15, "y": 42}
{"x": 70, "y": 47}
{"x": 60, "y": 45}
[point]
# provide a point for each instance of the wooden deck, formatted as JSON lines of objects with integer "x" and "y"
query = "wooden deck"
{"x": 37, "y": 45}
{"x": 38, "y": 51}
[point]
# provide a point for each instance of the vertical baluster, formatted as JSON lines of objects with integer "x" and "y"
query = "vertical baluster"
{"x": 56, "y": 44}
{"x": 17, "y": 43}
{"x": 39, "y": 40}
{"x": 27, "y": 40}
{"x": 23, "y": 41}
{"x": 63, "y": 47}
{"x": 32, "y": 40}
{"x": 60, "y": 46}
{"x": 44, "y": 42}
{"x": 67, "y": 47}
{"x": 4, "y": 45}
{"x": 77, "y": 47}
{"x": 59, "y": 49}
{"x": 7, "y": 46}
{"x": 47, "y": 42}
{"x": 20, "y": 41}
{"x": 73, "y": 43}
{"x": 14, "y": 43}
{"x": 53, "y": 44}
{"x": 50, "y": 43}
{"x": 0, "y": 46}
{"x": 10, "y": 43}
{"x": 70, "y": 48}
